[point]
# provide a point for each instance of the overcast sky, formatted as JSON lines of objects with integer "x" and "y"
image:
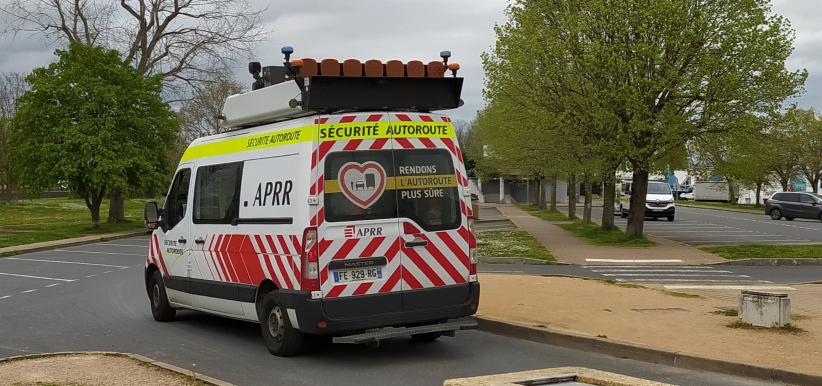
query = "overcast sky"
{"x": 419, "y": 29}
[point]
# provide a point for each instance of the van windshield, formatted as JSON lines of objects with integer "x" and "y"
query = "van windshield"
{"x": 418, "y": 184}
{"x": 658, "y": 188}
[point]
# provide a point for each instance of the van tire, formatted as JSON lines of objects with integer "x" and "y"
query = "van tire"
{"x": 160, "y": 308}
{"x": 624, "y": 214}
{"x": 670, "y": 218}
{"x": 279, "y": 337}
{"x": 776, "y": 214}
{"x": 426, "y": 337}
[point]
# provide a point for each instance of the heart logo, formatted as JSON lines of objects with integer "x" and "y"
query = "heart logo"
{"x": 363, "y": 184}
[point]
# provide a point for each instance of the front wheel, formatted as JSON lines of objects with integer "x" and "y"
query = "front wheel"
{"x": 279, "y": 336}
{"x": 160, "y": 308}
{"x": 776, "y": 214}
{"x": 670, "y": 218}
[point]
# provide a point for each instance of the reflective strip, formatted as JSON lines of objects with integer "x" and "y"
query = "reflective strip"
{"x": 406, "y": 182}
{"x": 250, "y": 142}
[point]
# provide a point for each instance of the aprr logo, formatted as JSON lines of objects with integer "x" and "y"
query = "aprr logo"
{"x": 348, "y": 231}
{"x": 351, "y": 231}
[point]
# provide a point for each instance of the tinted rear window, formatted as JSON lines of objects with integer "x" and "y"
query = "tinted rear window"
{"x": 790, "y": 197}
{"x": 418, "y": 184}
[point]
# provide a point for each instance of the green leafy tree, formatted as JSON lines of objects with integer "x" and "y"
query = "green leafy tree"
{"x": 94, "y": 123}
{"x": 645, "y": 77}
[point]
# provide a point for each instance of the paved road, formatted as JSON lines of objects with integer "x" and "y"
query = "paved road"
{"x": 92, "y": 298}
{"x": 695, "y": 226}
{"x": 676, "y": 276}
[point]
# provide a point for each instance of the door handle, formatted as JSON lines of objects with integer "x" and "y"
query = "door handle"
{"x": 181, "y": 240}
{"x": 199, "y": 240}
{"x": 416, "y": 243}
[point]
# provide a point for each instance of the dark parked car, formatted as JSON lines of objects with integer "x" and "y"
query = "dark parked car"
{"x": 791, "y": 205}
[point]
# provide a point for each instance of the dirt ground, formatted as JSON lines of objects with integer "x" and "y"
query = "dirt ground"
{"x": 652, "y": 317}
{"x": 86, "y": 370}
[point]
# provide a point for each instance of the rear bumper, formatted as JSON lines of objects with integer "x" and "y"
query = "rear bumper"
{"x": 397, "y": 309}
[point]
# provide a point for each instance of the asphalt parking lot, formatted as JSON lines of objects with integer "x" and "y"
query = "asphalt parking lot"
{"x": 91, "y": 297}
{"x": 696, "y": 226}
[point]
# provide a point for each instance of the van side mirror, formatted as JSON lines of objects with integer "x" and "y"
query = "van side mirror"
{"x": 151, "y": 215}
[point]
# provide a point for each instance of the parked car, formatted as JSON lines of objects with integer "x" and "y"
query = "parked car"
{"x": 659, "y": 201}
{"x": 687, "y": 196}
{"x": 791, "y": 205}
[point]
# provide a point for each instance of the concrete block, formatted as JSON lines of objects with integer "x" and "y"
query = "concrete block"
{"x": 764, "y": 309}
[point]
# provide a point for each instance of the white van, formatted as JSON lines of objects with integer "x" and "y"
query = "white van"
{"x": 311, "y": 222}
{"x": 659, "y": 201}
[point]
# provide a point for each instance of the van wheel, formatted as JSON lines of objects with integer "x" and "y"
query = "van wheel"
{"x": 623, "y": 214}
{"x": 776, "y": 214}
{"x": 279, "y": 337}
{"x": 670, "y": 218}
{"x": 160, "y": 309}
{"x": 426, "y": 337}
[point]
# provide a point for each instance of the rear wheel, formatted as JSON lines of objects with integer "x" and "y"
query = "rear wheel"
{"x": 279, "y": 337}
{"x": 426, "y": 337}
{"x": 160, "y": 308}
{"x": 776, "y": 214}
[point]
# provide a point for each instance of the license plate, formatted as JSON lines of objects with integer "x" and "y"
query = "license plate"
{"x": 359, "y": 274}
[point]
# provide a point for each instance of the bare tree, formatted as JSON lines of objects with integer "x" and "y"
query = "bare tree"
{"x": 186, "y": 42}
{"x": 12, "y": 86}
{"x": 181, "y": 40}
{"x": 199, "y": 115}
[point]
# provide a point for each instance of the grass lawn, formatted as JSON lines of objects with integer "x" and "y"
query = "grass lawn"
{"x": 45, "y": 219}
{"x": 511, "y": 243}
{"x": 758, "y": 209}
{"x": 758, "y": 251}
{"x": 545, "y": 214}
{"x": 597, "y": 236}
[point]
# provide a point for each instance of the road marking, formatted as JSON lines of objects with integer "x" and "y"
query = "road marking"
{"x": 645, "y": 266}
{"x": 481, "y": 271}
{"x": 28, "y": 291}
{"x": 52, "y": 285}
{"x": 699, "y": 280}
{"x": 67, "y": 262}
{"x": 634, "y": 261}
{"x": 658, "y": 270}
{"x": 786, "y": 241}
{"x": 5, "y": 297}
{"x": 91, "y": 275}
{"x": 107, "y": 272}
{"x": 731, "y": 287}
{"x": 36, "y": 277}
{"x": 722, "y": 231}
{"x": 102, "y": 253}
{"x": 671, "y": 275}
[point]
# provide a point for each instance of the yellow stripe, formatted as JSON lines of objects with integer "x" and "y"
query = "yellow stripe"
{"x": 406, "y": 182}
{"x": 250, "y": 142}
{"x": 384, "y": 129}
{"x": 327, "y": 132}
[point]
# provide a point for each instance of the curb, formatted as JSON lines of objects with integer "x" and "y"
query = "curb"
{"x": 514, "y": 260}
{"x": 143, "y": 359}
{"x": 723, "y": 209}
{"x": 639, "y": 352}
{"x": 54, "y": 244}
{"x": 771, "y": 262}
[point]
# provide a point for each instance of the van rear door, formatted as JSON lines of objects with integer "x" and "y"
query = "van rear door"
{"x": 429, "y": 183}
{"x": 358, "y": 230}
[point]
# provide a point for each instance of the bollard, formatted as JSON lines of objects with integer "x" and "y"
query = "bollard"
{"x": 764, "y": 309}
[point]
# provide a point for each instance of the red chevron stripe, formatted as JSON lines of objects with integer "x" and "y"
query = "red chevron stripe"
{"x": 160, "y": 257}
{"x": 426, "y": 118}
{"x": 372, "y": 246}
{"x": 348, "y": 118}
{"x": 352, "y": 145}
{"x": 405, "y": 143}
{"x": 345, "y": 249}
{"x": 403, "y": 117}
{"x": 410, "y": 279}
{"x": 444, "y": 262}
{"x": 424, "y": 267}
{"x": 392, "y": 281}
{"x": 427, "y": 142}
{"x": 363, "y": 288}
{"x": 373, "y": 118}
{"x": 460, "y": 253}
{"x": 378, "y": 143}
{"x": 335, "y": 291}
{"x": 324, "y": 148}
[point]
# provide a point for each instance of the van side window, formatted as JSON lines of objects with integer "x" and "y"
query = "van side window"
{"x": 177, "y": 200}
{"x": 806, "y": 199}
{"x": 217, "y": 193}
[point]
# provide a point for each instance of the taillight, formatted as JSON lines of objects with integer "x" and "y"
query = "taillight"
{"x": 310, "y": 261}
{"x": 472, "y": 251}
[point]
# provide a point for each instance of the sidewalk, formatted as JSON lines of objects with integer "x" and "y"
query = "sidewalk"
{"x": 570, "y": 249}
{"x": 653, "y": 318}
{"x": 53, "y": 244}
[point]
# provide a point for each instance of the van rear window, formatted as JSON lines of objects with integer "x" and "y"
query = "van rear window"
{"x": 418, "y": 184}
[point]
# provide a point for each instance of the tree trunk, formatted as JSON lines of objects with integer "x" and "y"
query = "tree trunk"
{"x": 572, "y": 196}
{"x": 758, "y": 192}
{"x": 815, "y": 182}
{"x": 541, "y": 193}
{"x": 732, "y": 196}
{"x": 116, "y": 209}
{"x": 639, "y": 189}
{"x": 608, "y": 198}
{"x": 586, "y": 211}
{"x": 93, "y": 201}
{"x": 554, "y": 193}
{"x": 784, "y": 182}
